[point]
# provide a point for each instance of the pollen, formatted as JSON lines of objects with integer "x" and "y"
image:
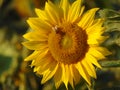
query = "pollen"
{"x": 68, "y": 43}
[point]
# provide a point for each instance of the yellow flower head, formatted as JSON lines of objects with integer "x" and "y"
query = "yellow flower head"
{"x": 66, "y": 42}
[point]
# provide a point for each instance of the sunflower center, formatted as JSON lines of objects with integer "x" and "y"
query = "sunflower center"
{"x": 68, "y": 43}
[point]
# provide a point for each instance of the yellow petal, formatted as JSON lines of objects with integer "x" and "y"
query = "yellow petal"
{"x": 43, "y": 58}
{"x": 89, "y": 67}
{"x": 35, "y": 45}
{"x": 38, "y": 24}
{"x": 93, "y": 60}
{"x": 93, "y": 51}
{"x": 32, "y": 56}
{"x": 33, "y": 36}
{"x": 95, "y": 35}
{"x": 40, "y": 13}
{"x": 83, "y": 72}
{"x": 101, "y": 39}
{"x": 65, "y": 77}
{"x": 53, "y": 12}
{"x": 32, "y": 64}
{"x": 47, "y": 64}
{"x": 49, "y": 73}
{"x": 96, "y": 38}
{"x": 58, "y": 76}
{"x": 81, "y": 11}
{"x": 64, "y": 4}
{"x": 103, "y": 50}
{"x": 36, "y": 69}
{"x": 92, "y": 41}
{"x": 75, "y": 74}
{"x": 70, "y": 76}
{"x": 95, "y": 31}
{"x": 74, "y": 11}
{"x": 87, "y": 18}
{"x": 96, "y": 27}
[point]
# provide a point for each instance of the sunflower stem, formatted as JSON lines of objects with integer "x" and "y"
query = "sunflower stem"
{"x": 111, "y": 63}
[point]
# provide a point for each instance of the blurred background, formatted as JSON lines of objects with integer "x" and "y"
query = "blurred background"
{"x": 16, "y": 74}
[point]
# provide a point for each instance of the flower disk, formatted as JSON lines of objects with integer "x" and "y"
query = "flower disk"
{"x": 66, "y": 42}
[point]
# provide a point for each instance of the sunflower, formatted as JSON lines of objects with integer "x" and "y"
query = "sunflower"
{"x": 66, "y": 42}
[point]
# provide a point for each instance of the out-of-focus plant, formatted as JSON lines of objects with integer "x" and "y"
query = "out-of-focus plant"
{"x": 1, "y": 1}
{"x": 13, "y": 72}
{"x": 113, "y": 29}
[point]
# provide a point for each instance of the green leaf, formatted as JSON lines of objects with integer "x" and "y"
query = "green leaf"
{"x": 112, "y": 26}
{"x": 112, "y": 18}
{"x": 5, "y": 63}
{"x": 114, "y": 38}
{"x": 110, "y": 63}
{"x": 108, "y": 13}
